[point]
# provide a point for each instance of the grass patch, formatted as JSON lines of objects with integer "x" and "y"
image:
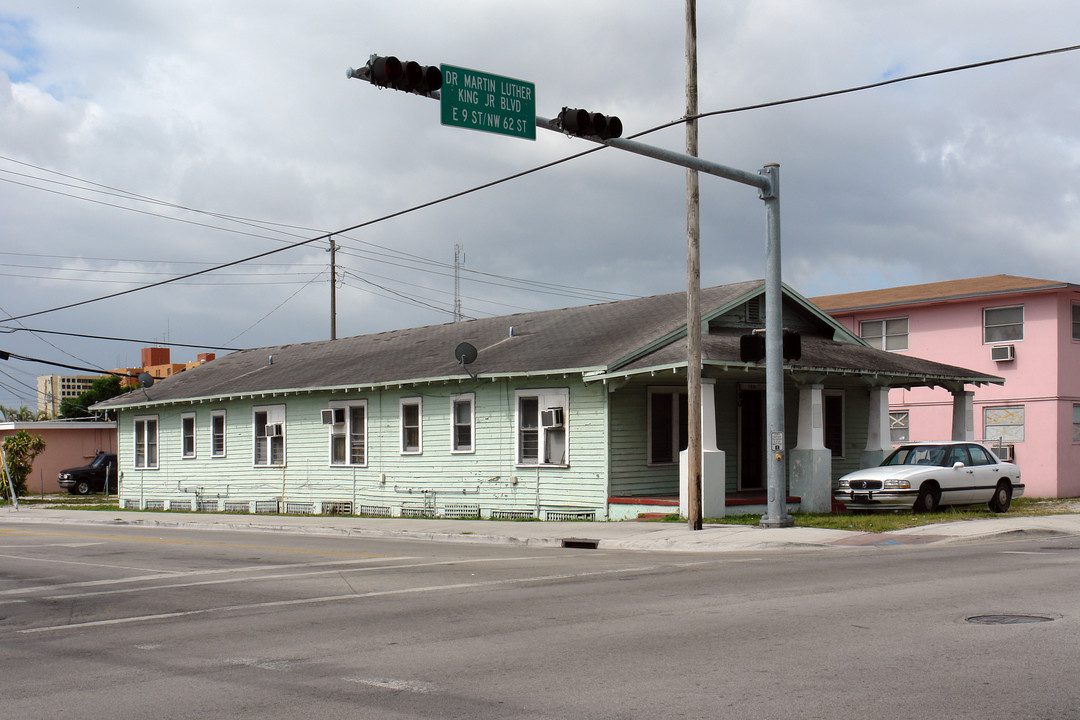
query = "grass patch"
{"x": 886, "y": 520}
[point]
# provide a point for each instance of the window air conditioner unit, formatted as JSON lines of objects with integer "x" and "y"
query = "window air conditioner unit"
{"x": 1002, "y": 353}
{"x": 552, "y": 417}
{"x": 333, "y": 416}
{"x": 1005, "y": 452}
{"x": 274, "y": 430}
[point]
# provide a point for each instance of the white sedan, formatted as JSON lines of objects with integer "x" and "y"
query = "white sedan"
{"x": 924, "y": 476}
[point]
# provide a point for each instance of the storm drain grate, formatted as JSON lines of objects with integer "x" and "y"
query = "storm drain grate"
{"x": 1008, "y": 619}
{"x": 580, "y": 543}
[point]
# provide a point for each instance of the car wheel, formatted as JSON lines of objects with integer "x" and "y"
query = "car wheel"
{"x": 1002, "y": 497}
{"x": 929, "y": 498}
{"x": 82, "y": 488}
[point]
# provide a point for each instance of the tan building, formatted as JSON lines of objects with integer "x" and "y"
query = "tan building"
{"x": 52, "y": 390}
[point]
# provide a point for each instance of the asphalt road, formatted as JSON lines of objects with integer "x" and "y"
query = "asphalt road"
{"x": 130, "y": 622}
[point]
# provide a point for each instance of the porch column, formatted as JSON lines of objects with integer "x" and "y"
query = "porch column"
{"x": 963, "y": 415}
{"x": 713, "y": 475}
{"x": 811, "y": 461}
{"x": 878, "y": 443}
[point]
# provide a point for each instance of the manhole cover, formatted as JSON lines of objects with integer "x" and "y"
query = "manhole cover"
{"x": 1008, "y": 619}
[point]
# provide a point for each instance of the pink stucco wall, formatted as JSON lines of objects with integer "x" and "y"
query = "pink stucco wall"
{"x": 67, "y": 444}
{"x": 1044, "y": 378}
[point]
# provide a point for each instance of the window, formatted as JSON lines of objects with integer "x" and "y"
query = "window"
{"x": 542, "y": 421}
{"x": 187, "y": 435}
{"x": 146, "y": 443}
{"x": 410, "y": 426}
{"x": 217, "y": 433}
{"x": 1003, "y": 324}
{"x": 1076, "y": 321}
{"x": 348, "y": 439}
{"x": 833, "y": 406}
{"x": 1076, "y": 423}
{"x": 979, "y": 456}
{"x": 668, "y": 411}
{"x": 269, "y": 431}
{"x": 899, "y": 429}
{"x": 1004, "y": 423}
{"x": 891, "y": 334}
{"x": 462, "y": 423}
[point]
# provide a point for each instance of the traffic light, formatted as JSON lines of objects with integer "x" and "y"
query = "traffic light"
{"x": 390, "y": 72}
{"x": 589, "y": 124}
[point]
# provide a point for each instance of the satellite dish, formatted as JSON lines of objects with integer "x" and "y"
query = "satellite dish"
{"x": 465, "y": 353}
{"x": 146, "y": 379}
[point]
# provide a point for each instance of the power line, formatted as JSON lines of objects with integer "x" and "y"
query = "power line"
{"x": 118, "y": 339}
{"x": 515, "y": 176}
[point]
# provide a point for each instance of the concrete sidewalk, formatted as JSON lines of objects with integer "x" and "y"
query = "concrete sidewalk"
{"x": 643, "y": 536}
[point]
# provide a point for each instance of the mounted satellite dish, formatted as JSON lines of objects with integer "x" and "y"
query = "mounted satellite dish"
{"x": 465, "y": 354}
{"x": 145, "y": 379}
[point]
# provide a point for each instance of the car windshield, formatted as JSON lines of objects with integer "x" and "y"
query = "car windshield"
{"x": 917, "y": 455}
{"x": 99, "y": 460}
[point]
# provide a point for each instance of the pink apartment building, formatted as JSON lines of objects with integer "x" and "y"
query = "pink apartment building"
{"x": 1024, "y": 330}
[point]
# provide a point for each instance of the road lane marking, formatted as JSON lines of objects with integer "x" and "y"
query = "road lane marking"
{"x": 189, "y": 573}
{"x": 354, "y": 596}
{"x": 286, "y": 576}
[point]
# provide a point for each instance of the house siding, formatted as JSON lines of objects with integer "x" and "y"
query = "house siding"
{"x": 433, "y": 481}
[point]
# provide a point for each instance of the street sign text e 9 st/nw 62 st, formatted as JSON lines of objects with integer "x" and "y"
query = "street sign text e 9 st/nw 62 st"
{"x": 490, "y": 103}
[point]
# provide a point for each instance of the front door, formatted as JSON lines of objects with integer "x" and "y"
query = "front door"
{"x": 751, "y": 437}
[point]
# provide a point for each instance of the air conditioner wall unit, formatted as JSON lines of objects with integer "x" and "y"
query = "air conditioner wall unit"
{"x": 552, "y": 417}
{"x": 274, "y": 430}
{"x": 333, "y": 416}
{"x": 1003, "y": 353}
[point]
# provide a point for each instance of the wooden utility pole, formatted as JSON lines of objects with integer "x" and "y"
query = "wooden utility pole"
{"x": 333, "y": 289}
{"x": 693, "y": 282}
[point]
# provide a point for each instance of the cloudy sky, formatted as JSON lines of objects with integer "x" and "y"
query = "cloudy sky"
{"x": 143, "y": 140}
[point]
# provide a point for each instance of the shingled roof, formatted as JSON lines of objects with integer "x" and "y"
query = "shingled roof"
{"x": 935, "y": 292}
{"x": 596, "y": 340}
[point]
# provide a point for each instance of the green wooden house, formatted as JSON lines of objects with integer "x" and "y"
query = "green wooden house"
{"x": 577, "y": 413}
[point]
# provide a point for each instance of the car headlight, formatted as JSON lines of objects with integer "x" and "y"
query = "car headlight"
{"x": 65, "y": 476}
{"x": 897, "y": 484}
{"x": 844, "y": 484}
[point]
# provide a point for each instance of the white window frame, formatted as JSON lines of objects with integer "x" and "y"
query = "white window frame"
{"x": 409, "y": 402}
{"x": 672, "y": 394}
{"x": 145, "y": 427}
{"x": 549, "y": 440}
{"x": 883, "y": 336}
{"x": 274, "y": 415}
{"x": 215, "y": 417}
{"x": 346, "y": 433}
{"x": 1004, "y": 422}
{"x": 899, "y": 423}
{"x": 455, "y": 401}
{"x": 185, "y": 418}
{"x": 1003, "y": 325}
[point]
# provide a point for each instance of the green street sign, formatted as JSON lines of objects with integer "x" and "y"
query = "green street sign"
{"x": 489, "y": 103}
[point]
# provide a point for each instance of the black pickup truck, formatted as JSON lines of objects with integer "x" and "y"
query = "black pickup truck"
{"x": 90, "y": 478}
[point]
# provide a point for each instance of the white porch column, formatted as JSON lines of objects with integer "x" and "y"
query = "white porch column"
{"x": 713, "y": 475}
{"x": 811, "y": 461}
{"x": 963, "y": 415}
{"x": 878, "y": 443}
